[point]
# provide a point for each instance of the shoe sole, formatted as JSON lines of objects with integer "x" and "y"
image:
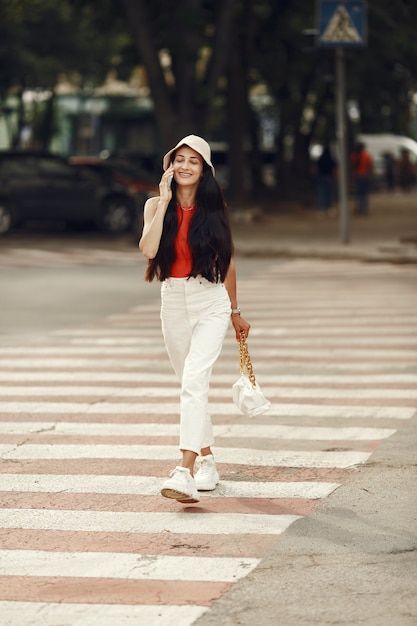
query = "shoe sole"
{"x": 207, "y": 488}
{"x": 178, "y": 495}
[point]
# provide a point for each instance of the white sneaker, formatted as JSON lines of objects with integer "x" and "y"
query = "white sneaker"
{"x": 180, "y": 486}
{"x": 207, "y": 476}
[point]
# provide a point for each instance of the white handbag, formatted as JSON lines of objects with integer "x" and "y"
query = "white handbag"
{"x": 246, "y": 392}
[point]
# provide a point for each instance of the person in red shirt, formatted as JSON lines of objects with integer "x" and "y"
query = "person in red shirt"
{"x": 362, "y": 165}
{"x": 187, "y": 240}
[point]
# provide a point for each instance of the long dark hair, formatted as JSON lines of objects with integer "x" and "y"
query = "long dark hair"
{"x": 209, "y": 237}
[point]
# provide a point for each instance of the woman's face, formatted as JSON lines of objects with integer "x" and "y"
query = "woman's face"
{"x": 188, "y": 165}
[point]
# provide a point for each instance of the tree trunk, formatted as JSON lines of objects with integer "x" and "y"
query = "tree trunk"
{"x": 185, "y": 107}
{"x": 46, "y": 126}
{"x": 16, "y": 138}
{"x": 237, "y": 117}
{"x": 142, "y": 35}
{"x": 221, "y": 48}
{"x": 255, "y": 157}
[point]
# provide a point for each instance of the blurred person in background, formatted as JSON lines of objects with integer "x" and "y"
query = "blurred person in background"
{"x": 406, "y": 174}
{"x": 389, "y": 170}
{"x": 326, "y": 168}
{"x": 362, "y": 168}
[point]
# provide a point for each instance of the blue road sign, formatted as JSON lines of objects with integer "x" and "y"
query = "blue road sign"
{"x": 342, "y": 23}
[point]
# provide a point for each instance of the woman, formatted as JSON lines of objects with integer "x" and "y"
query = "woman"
{"x": 187, "y": 241}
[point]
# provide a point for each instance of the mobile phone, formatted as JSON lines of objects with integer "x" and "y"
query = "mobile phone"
{"x": 170, "y": 182}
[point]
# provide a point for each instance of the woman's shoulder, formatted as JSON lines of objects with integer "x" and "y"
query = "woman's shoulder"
{"x": 152, "y": 201}
{"x": 151, "y": 204}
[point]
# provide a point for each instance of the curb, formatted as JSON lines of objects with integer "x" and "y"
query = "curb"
{"x": 401, "y": 255}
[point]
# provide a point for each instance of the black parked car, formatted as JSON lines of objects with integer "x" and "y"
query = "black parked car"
{"x": 139, "y": 183}
{"x": 40, "y": 186}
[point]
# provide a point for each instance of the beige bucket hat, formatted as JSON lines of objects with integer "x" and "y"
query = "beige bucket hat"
{"x": 198, "y": 144}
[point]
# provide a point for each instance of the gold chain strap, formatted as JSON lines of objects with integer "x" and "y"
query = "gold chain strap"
{"x": 244, "y": 359}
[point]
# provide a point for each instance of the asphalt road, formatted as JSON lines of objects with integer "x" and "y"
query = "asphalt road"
{"x": 56, "y": 286}
{"x": 334, "y": 345}
{"x": 41, "y": 299}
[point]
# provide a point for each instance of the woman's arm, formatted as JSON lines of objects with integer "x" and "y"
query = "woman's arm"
{"x": 153, "y": 217}
{"x": 239, "y": 323}
{"x": 153, "y": 221}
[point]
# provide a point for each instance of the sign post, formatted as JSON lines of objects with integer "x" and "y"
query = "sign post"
{"x": 342, "y": 143}
{"x": 341, "y": 25}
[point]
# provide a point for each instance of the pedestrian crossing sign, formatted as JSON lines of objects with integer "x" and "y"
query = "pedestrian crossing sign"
{"x": 341, "y": 23}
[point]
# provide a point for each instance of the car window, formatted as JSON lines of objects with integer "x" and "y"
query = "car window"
{"x": 55, "y": 169}
{"x": 92, "y": 172}
{"x": 18, "y": 168}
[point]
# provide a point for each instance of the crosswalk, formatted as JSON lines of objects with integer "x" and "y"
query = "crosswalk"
{"x": 89, "y": 430}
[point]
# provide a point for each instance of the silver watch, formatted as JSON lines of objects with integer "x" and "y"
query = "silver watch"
{"x": 236, "y": 311}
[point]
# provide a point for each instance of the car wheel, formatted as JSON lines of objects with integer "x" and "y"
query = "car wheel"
{"x": 6, "y": 218}
{"x": 117, "y": 215}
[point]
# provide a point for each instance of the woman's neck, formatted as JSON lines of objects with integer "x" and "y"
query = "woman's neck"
{"x": 186, "y": 199}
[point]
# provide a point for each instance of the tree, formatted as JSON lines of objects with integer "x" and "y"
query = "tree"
{"x": 205, "y": 59}
{"x": 42, "y": 39}
{"x": 184, "y": 50}
{"x": 381, "y": 78}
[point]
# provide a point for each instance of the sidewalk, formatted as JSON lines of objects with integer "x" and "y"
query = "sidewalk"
{"x": 388, "y": 234}
{"x": 352, "y": 561}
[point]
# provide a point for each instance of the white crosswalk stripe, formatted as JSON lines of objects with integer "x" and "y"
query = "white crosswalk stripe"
{"x": 109, "y": 521}
{"x": 227, "y": 378}
{"x": 120, "y": 565}
{"x": 241, "y": 456}
{"x": 278, "y": 410}
{"x": 167, "y": 392}
{"x": 148, "y": 486}
{"x": 172, "y": 430}
{"x": 54, "y": 614}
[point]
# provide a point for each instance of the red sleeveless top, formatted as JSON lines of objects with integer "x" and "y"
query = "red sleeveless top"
{"x": 183, "y": 263}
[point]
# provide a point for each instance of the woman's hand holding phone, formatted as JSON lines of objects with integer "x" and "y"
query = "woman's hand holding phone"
{"x": 165, "y": 191}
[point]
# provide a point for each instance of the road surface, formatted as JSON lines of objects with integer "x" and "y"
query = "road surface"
{"x": 89, "y": 428}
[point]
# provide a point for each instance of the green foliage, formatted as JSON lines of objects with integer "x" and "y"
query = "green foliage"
{"x": 41, "y": 39}
{"x": 383, "y": 78}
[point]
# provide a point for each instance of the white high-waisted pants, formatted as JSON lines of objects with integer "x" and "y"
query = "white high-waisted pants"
{"x": 195, "y": 315}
